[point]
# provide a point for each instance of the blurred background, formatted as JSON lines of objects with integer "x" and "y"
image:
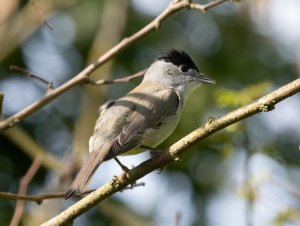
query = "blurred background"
{"x": 247, "y": 174}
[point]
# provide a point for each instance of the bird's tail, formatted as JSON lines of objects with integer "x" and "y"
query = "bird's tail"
{"x": 85, "y": 174}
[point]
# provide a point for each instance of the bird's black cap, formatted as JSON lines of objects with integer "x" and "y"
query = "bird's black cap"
{"x": 179, "y": 58}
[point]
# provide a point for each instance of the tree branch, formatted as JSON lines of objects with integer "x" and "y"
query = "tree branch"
{"x": 207, "y": 6}
{"x": 40, "y": 198}
{"x": 23, "y": 189}
{"x": 34, "y": 198}
{"x": 85, "y": 73}
{"x": 29, "y": 74}
{"x": 174, "y": 153}
{"x": 40, "y": 14}
{"x": 118, "y": 80}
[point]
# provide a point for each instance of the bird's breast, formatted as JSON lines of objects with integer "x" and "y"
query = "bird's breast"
{"x": 153, "y": 137}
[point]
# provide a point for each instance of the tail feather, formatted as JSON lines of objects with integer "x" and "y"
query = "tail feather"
{"x": 84, "y": 176}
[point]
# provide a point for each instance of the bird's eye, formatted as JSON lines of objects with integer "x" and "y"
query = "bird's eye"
{"x": 183, "y": 68}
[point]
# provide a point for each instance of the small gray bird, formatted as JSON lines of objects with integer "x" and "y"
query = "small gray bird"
{"x": 144, "y": 117}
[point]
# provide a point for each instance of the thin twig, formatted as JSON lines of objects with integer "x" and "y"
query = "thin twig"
{"x": 207, "y": 6}
{"x": 174, "y": 153}
{"x": 83, "y": 76}
{"x": 118, "y": 80}
{"x": 35, "y": 198}
{"x": 39, "y": 12}
{"x": 23, "y": 189}
{"x": 40, "y": 198}
{"x": 32, "y": 75}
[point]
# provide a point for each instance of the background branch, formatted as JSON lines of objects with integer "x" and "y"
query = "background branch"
{"x": 40, "y": 198}
{"x": 40, "y": 14}
{"x": 34, "y": 198}
{"x": 84, "y": 74}
{"x": 207, "y": 6}
{"x": 29, "y": 74}
{"x": 23, "y": 189}
{"x": 18, "y": 136}
{"x": 118, "y": 80}
{"x": 174, "y": 153}
{"x": 22, "y": 24}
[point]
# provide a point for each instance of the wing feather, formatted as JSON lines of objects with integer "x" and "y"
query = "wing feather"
{"x": 150, "y": 113}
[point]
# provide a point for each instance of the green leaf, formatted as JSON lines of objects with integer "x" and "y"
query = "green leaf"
{"x": 235, "y": 98}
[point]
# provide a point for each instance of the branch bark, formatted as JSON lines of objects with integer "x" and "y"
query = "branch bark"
{"x": 85, "y": 73}
{"x": 174, "y": 153}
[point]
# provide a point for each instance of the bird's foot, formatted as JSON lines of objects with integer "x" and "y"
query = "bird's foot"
{"x": 154, "y": 153}
{"x": 123, "y": 167}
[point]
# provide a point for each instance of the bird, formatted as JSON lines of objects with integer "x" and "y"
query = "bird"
{"x": 142, "y": 118}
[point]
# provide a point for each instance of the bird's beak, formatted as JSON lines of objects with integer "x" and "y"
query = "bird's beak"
{"x": 203, "y": 79}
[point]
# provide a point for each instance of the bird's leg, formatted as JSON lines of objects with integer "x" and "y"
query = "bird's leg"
{"x": 134, "y": 184}
{"x": 124, "y": 168}
{"x": 154, "y": 152}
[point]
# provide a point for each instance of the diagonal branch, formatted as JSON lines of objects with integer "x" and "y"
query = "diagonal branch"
{"x": 174, "y": 153}
{"x": 83, "y": 76}
{"x": 40, "y": 14}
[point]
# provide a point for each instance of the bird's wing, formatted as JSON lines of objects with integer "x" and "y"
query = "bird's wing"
{"x": 148, "y": 114}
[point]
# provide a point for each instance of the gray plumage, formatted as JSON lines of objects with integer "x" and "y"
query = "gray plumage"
{"x": 144, "y": 117}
